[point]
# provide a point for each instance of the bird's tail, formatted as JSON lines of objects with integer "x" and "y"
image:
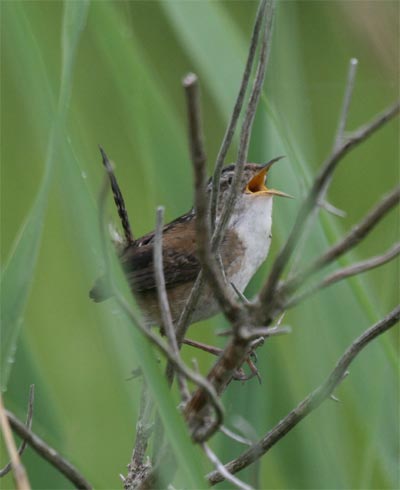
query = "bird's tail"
{"x": 118, "y": 198}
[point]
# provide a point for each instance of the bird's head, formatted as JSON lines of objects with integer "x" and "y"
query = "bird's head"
{"x": 253, "y": 186}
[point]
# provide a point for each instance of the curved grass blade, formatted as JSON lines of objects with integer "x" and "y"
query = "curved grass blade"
{"x": 17, "y": 276}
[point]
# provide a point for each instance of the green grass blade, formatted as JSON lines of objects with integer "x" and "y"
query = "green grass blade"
{"x": 18, "y": 273}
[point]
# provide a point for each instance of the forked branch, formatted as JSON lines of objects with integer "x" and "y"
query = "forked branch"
{"x": 311, "y": 402}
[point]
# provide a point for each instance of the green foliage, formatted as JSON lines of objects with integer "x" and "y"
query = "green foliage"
{"x": 115, "y": 69}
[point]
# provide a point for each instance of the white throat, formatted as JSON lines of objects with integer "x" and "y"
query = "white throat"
{"x": 253, "y": 226}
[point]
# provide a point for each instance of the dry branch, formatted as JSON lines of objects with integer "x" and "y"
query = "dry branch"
{"x": 28, "y": 423}
{"x": 311, "y": 402}
{"x": 230, "y": 130}
{"x": 148, "y": 333}
{"x": 353, "y": 238}
{"x": 19, "y": 473}
{"x": 48, "y": 453}
{"x": 345, "y": 272}
{"x": 311, "y": 201}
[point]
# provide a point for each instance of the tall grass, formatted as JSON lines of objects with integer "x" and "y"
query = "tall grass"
{"x": 119, "y": 85}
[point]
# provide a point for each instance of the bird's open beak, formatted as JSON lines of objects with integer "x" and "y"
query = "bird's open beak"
{"x": 257, "y": 183}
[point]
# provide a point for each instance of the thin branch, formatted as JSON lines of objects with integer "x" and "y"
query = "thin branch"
{"x": 346, "y": 272}
{"x": 48, "y": 453}
{"x": 361, "y": 267}
{"x": 251, "y": 333}
{"x": 331, "y": 209}
{"x": 356, "y": 234}
{"x": 351, "y": 76}
{"x": 19, "y": 473}
{"x": 246, "y": 130}
{"x": 208, "y": 261}
{"x": 311, "y": 402}
{"x": 360, "y": 231}
{"x": 230, "y": 130}
{"x": 321, "y": 202}
{"x": 138, "y": 467}
{"x": 223, "y": 471}
{"x": 235, "y": 437}
{"x": 197, "y": 288}
{"x": 148, "y": 333}
{"x": 190, "y": 306}
{"x": 28, "y": 423}
{"x": 236, "y": 351}
{"x": 118, "y": 198}
{"x": 163, "y": 302}
{"x": 312, "y": 200}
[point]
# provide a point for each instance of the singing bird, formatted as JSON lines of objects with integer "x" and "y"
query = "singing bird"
{"x": 244, "y": 247}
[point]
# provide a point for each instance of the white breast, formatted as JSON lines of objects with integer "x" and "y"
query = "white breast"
{"x": 253, "y": 226}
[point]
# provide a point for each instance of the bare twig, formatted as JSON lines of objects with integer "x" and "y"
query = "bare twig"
{"x": 194, "y": 296}
{"x": 148, "y": 333}
{"x": 236, "y": 437}
{"x": 19, "y": 473}
{"x": 247, "y": 333}
{"x": 230, "y": 130}
{"x": 118, "y": 198}
{"x": 311, "y": 402}
{"x": 237, "y": 349}
{"x": 321, "y": 202}
{"x": 362, "y": 266}
{"x": 246, "y": 129}
{"x": 312, "y": 199}
{"x": 346, "y": 272}
{"x": 330, "y": 208}
{"x": 360, "y": 231}
{"x": 351, "y": 76}
{"x": 163, "y": 299}
{"x": 47, "y": 452}
{"x": 208, "y": 261}
{"x": 356, "y": 234}
{"x": 223, "y": 471}
{"x": 139, "y": 468}
{"x": 28, "y": 423}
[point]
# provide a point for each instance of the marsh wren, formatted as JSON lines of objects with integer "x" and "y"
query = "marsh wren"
{"x": 244, "y": 247}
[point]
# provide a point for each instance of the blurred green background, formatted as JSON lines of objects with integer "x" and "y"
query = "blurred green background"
{"x": 121, "y": 89}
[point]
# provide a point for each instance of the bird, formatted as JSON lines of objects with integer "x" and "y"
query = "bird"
{"x": 244, "y": 247}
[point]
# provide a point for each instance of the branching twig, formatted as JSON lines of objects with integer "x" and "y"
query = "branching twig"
{"x": 208, "y": 260}
{"x": 351, "y": 76}
{"x": 311, "y": 201}
{"x": 321, "y": 202}
{"x": 48, "y": 453}
{"x": 230, "y": 130}
{"x": 246, "y": 130}
{"x": 20, "y": 476}
{"x": 28, "y": 423}
{"x": 148, "y": 333}
{"x": 346, "y": 272}
{"x": 356, "y": 234}
{"x": 311, "y": 402}
{"x": 138, "y": 467}
{"x": 223, "y": 471}
{"x": 197, "y": 288}
{"x": 237, "y": 349}
{"x": 236, "y": 437}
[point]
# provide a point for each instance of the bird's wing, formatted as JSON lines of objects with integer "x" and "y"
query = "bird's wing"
{"x": 179, "y": 256}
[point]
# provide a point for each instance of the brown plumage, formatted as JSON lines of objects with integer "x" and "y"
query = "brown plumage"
{"x": 244, "y": 247}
